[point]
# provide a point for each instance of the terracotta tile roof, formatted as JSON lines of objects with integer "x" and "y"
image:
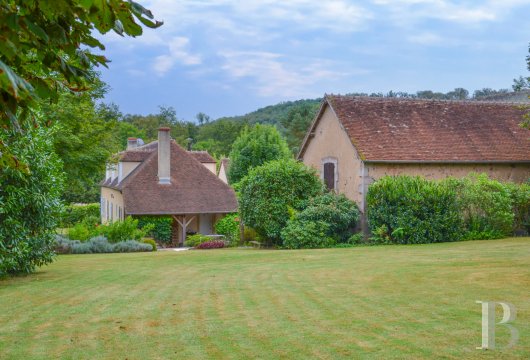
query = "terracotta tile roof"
{"x": 139, "y": 153}
{"x": 193, "y": 188}
{"x": 404, "y": 130}
{"x": 202, "y": 156}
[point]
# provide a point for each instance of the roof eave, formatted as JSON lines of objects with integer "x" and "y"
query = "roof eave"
{"x": 447, "y": 161}
{"x": 308, "y": 136}
{"x": 180, "y": 212}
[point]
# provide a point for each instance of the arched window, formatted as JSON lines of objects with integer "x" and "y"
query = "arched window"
{"x": 329, "y": 173}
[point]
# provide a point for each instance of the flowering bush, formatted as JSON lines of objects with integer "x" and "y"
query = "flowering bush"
{"x": 214, "y": 244}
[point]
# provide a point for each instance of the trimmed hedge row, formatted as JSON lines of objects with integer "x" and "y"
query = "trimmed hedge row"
{"x": 159, "y": 227}
{"x": 77, "y": 213}
{"x": 413, "y": 210}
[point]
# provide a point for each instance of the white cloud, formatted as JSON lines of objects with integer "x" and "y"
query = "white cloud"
{"x": 232, "y": 15}
{"x": 404, "y": 11}
{"x": 178, "y": 53}
{"x": 272, "y": 74}
{"x": 426, "y": 38}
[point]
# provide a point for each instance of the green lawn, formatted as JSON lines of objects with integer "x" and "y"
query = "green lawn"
{"x": 369, "y": 302}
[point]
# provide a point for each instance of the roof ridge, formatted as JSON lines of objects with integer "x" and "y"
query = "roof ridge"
{"x": 404, "y": 99}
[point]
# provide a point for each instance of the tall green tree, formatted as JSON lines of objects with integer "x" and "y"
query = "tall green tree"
{"x": 297, "y": 122}
{"x": 46, "y": 47}
{"x": 218, "y": 136}
{"x": 29, "y": 202}
{"x": 149, "y": 124}
{"x": 84, "y": 140}
{"x": 254, "y": 147}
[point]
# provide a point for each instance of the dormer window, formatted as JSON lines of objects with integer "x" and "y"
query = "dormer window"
{"x": 329, "y": 173}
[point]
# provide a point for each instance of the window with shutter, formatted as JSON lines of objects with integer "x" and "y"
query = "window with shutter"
{"x": 329, "y": 175}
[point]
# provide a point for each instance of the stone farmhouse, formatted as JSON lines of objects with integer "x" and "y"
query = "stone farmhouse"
{"x": 354, "y": 141}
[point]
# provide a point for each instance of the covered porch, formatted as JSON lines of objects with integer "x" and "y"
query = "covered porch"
{"x": 185, "y": 224}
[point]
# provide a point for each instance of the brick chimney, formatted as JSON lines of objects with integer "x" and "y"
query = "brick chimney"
{"x": 164, "y": 154}
{"x": 132, "y": 143}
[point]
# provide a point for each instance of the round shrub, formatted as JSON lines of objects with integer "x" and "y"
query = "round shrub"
{"x": 196, "y": 240}
{"x": 150, "y": 242}
{"x": 338, "y": 212}
{"x": 412, "y": 210}
{"x": 269, "y": 191}
{"x": 81, "y": 232}
{"x": 229, "y": 227}
{"x": 306, "y": 235}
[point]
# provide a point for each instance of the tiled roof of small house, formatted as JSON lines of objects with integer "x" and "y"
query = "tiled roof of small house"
{"x": 193, "y": 188}
{"x": 139, "y": 153}
{"x": 404, "y": 130}
{"x": 202, "y": 156}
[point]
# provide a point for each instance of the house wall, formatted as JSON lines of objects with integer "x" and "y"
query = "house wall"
{"x": 222, "y": 174}
{"x": 111, "y": 205}
{"x": 211, "y": 166}
{"x": 331, "y": 142}
{"x": 503, "y": 172}
{"x": 125, "y": 168}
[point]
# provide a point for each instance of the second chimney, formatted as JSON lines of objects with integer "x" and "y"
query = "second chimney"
{"x": 164, "y": 154}
{"x": 132, "y": 143}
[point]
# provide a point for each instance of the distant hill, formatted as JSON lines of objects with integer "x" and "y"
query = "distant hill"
{"x": 273, "y": 114}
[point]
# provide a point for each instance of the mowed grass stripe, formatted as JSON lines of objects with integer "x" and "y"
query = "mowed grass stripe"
{"x": 373, "y": 302}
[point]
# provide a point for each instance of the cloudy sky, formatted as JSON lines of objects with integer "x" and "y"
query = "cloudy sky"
{"x": 227, "y": 57}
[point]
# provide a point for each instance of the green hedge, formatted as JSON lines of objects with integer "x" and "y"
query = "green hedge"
{"x": 485, "y": 206}
{"x": 77, "y": 213}
{"x": 520, "y": 195}
{"x": 412, "y": 210}
{"x": 161, "y": 227}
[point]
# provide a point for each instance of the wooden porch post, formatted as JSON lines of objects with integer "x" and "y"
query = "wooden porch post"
{"x": 183, "y": 222}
